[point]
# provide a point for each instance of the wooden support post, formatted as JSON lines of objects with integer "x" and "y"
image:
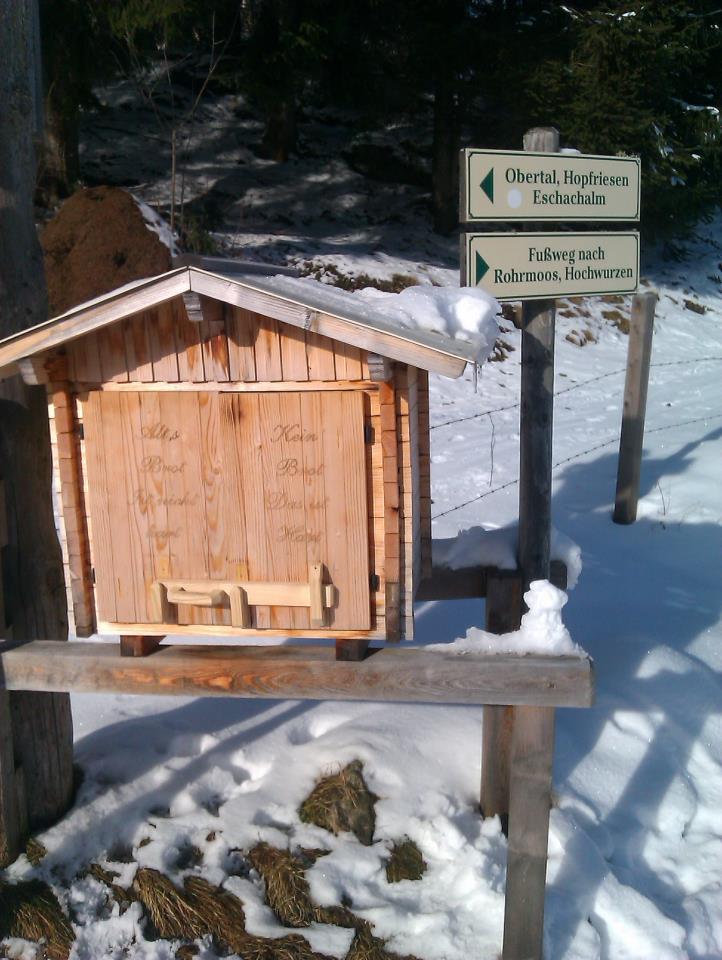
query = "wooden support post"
{"x": 67, "y": 469}
{"x": 352, "y": 649}
{"x": 533, "y": 729}
{"x": 639, "y": 353}
{"x": 138, "y": 646}
{"x": 536, "y": 417}
{"x": 392, "y": 531}
{"x": 10, "y": 831}
{"x": 530, "y": 794}
{"x": 503, "y": 614}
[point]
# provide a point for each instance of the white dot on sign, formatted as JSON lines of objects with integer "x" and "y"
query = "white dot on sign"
{"x": 513, "y": 198}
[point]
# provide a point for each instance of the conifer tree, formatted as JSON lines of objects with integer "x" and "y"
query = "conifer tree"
{"x": 642, "y": 78}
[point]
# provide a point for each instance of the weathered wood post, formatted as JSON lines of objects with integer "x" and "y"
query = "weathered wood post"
{"x": 503, "y": 614}
{"x": 36, "y": 775}
{"x": 9, "y": 820}
{"x": 532, "y": 736}
{"x": 639, "y": 353}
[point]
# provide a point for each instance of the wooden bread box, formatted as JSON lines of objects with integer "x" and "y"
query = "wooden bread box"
{"x": 236, "y": 455}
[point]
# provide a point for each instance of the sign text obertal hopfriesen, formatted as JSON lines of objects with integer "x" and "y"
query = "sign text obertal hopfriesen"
{"x": 508, "y": 185}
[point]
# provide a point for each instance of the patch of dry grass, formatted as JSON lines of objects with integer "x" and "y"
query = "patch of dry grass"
{"x": 170, "y": 912}
{"x": 405, "y": 862}
{"x": 30, "y": 910}
{"x": 365, "y": 946}
{"x": 122, "y": 897}
{"x": 502, "y": 349}
{"x": 201, "y": 909}
{"x": 341, "y": 802}
{"x": 617, "y": 318}
{"x": 581, "y": 338}
{"x": 35, "y": 851}
{"x": 329, "y": 273}
{"x": 287, "y": 891}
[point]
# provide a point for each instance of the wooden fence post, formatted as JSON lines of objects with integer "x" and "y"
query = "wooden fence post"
{"x": 533, "y": 727}
{"x": 639, "y": 353}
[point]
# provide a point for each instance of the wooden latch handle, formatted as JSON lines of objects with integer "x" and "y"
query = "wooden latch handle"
{"x": 213, "y": 598}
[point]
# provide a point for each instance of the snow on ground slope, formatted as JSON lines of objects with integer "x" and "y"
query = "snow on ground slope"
{"x": 635, "y": 853}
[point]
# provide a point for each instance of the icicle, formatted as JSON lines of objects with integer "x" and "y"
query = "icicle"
{"x": 477, "y": 371}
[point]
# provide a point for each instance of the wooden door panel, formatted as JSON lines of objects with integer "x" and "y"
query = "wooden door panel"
{"x": 223, "y": 486}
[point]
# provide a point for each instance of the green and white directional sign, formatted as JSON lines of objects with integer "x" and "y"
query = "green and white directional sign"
{"x": 540, "y": 266}
{"x": 508, "y": 185}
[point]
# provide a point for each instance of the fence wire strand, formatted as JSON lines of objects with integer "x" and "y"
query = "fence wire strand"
{"x": 573, "y": 386}
{"x": 575, "y": 456}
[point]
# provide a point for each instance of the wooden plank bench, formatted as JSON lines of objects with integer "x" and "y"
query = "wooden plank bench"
{"x": 532, "y": 685}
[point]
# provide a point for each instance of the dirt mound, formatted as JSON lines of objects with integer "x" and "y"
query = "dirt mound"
{"x": 96, "y": 242}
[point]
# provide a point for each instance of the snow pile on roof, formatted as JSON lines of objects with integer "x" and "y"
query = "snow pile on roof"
{"x": 465, "y": 313}
{"x": 541, "y": 631}
{"x": 462, "y": 314}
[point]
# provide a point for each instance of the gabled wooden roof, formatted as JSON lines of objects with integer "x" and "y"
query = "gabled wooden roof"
{"x": 310, "y": 309}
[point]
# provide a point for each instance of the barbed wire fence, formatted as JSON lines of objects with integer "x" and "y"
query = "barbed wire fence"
{"x": 579, "y": 454}
{"x": 573, "y": 386}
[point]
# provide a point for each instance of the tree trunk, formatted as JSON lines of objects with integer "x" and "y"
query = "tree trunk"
{"x": 283, "y": 20}
{"x": 38, "y": 776}
{"x": 279, "y": 137}
{"x": 60, "y": 160}
{"x": 445, "y": 153}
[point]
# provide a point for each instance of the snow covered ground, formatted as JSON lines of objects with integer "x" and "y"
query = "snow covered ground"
{"x": 635, "y": 851}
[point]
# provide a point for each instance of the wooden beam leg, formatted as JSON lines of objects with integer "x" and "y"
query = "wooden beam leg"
{"x": 139, "y": 646}
{"x": 503, "y": 614}
{"x": 160, "y": 609}
{"x": 530, "y": 796}
{"x": 240, "y": 611}
{"x": 495, "y": 755}
{"x": 354, "y": 649}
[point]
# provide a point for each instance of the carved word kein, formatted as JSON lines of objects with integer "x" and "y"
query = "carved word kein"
{"x": 292, "y": 433}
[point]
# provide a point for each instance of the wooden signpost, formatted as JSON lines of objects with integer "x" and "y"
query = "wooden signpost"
{"x": 537, "y": 185}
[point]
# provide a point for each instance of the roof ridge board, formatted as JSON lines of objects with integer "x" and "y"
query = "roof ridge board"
{"x": 463, "y": 350}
